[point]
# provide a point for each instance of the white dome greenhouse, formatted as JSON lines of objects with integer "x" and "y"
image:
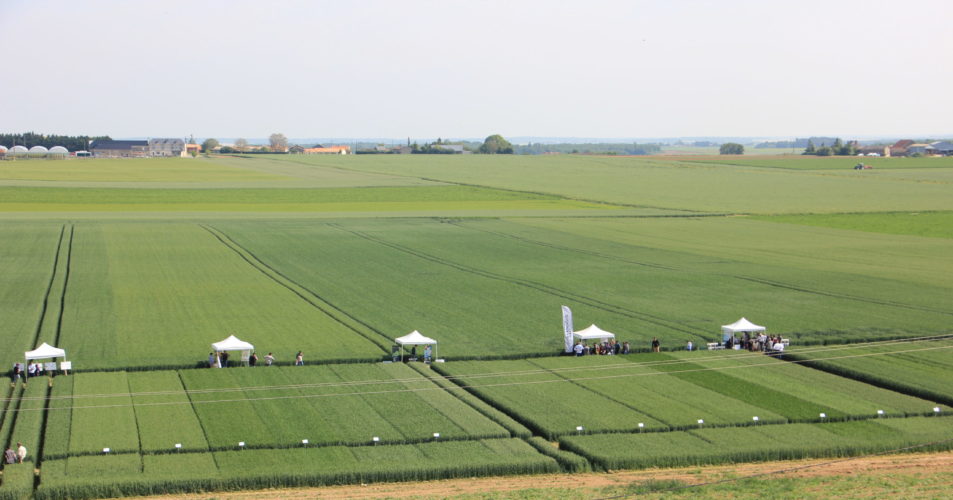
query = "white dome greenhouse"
{"x": 39, "y": 151}
{"x": 18, "y": 150}
{"x": 59, "y": 151}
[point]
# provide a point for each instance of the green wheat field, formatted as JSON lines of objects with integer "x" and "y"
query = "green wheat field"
{"x": 135, "y": 266}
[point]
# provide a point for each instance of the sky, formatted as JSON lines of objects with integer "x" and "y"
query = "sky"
{"x": 468, "y": 69}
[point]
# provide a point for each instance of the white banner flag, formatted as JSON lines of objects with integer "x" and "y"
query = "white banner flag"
{"x": 567, "y": 328}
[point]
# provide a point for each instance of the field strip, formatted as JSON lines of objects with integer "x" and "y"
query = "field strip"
{"x": 840, "y": 295}
{"x": 648, "y": 318}
{"x": 566, "y": 248}
{"x": 458, "y": 387}
{"x": 312, "y": 298}
{"x": 542, "y": 370}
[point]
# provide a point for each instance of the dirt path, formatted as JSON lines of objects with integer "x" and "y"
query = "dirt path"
{"x": 913, "y": 464}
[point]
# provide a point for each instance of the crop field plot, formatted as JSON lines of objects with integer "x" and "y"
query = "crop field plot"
{"x": 279, "y": 407}
{"x": 799, "y": 162}
{"x": 661, "y": 183}
{"x": 178, "y": 286}
{"x": 151, "y": 170}
{"x": 377, "y": 200}
{"x": 605, "y": 394}
{"x": 927, "y": 224}
{"x": 122, "y": 475}
{"x": 28, "y": 254}
{"x": 759, "y": 443}
{"x": 636, "y": 277}
{"x": 816, "y": 285}
{"x": 924, "y": 367}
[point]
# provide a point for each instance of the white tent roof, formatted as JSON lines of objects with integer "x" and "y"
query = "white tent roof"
{"x": 45, "y": 351}
{"x": 593, "y": 332}
{"x": 742, "y": 325}
{"x": 232, "y": 343}
{"x": 414, "y": 338}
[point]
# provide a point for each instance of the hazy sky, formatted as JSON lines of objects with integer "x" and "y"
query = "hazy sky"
{"x": 472, "y": 68}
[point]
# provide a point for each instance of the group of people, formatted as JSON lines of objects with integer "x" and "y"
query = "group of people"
{"x": 606, "y": 347}
{"x": 220, "y": 359}
{"x": 762, "y": 343}
{"x": 15, "y": 457}
{"x": 32, "y": 370}
{"x": 428, "y": 354}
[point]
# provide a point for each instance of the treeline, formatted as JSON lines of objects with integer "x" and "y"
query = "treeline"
{"x": 796, "y": 143}
{"x": 589, "y": 148}
{"x": 838, "y": 148}
{"x": 30, "y": 139}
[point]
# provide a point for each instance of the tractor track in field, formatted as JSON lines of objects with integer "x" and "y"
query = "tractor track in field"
{"x": 315, "y": 300}
{"x": 41, "y": 443}
{"x": 549, "y": 290}
{"x": 835, "y": 295}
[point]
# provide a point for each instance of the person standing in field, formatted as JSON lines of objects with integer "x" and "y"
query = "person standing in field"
{"x": 17, "y": 372}
{"x": 428, "y": 352}
{"x": 21, "y": 452}
{"x": 9, "y": 457}
{"x": 299, "y": 359}
{"x": 655, "y": 344}
{"x": 253, "y": 359}
{"x": 269, "y": 359}
{"x": 211, "y": 360}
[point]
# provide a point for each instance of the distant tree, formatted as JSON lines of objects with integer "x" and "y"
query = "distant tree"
{"x": 208, "y": 145}
{"x": 241, "y": 144}
{"x": 191, "y": 139}
{"x": 810, "y": 149}
{"x": 228, "y": 150}
{"x": 496, "y": 144}
{"x": 278, "y": 142}
{"x": 731, "y": 148}
{"x": 824, "y": 151}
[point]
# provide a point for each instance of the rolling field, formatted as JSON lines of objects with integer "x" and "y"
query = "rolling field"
{"x": 135, "y": 267}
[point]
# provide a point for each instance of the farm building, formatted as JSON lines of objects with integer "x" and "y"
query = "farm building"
{"x": 167, "y": 147}
{"x": 119, "y": 149}
{"x": 3, "y": 151}
{"x": 330, "y": 150}
{"x": 944, "y": 148}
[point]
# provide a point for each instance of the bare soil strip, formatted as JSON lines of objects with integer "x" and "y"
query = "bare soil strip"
{"x": 914, "y": 464}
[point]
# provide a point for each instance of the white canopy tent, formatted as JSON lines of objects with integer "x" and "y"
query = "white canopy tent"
{"x": 46, "y": 351}
{"x": 740, "y": 326}
{"x": 233, "y": 343}
{"x": 593, "y": 332}
{"x": 415, "y": 338}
